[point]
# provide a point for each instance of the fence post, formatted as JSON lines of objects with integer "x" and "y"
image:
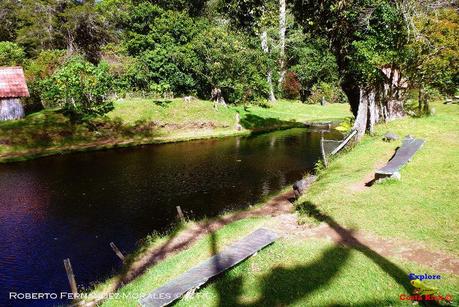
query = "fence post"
{"x": 71, "y": 277}
{"x": 117, "y": 251}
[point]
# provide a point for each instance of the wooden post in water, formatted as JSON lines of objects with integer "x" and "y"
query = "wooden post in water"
{"x": 71, "y": 277}
{"x": 322, "y": 150}
{"x": 180, "y": 214}
{"x": 117, "y": 251}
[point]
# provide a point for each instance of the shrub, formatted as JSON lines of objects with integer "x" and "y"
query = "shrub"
{"x": 330, "y": 92}
{"x": 42, "y": 67}
{"x": 291, "y": 86}
{"x": 11, "y": 54}
{"x": 78, "y": 86}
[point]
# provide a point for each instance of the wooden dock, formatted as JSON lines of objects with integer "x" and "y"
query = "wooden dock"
{"x": 200, "y": 274}
{"x": 403, "y": 155}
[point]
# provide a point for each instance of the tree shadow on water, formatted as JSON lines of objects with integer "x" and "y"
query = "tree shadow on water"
{"x": 254, "y": 122}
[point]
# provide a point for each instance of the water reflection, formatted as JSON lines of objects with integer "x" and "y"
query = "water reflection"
{"x": 72, "y": 206}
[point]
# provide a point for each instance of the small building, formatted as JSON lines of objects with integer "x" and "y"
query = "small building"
{"x": 13, "y": 87}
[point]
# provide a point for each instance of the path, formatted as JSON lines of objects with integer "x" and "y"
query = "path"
{"x": 287, "y": 225}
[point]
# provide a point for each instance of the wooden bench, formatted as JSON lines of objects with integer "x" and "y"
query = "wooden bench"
{"x": 200, "y": 274}
{"x": 402, "y": 156}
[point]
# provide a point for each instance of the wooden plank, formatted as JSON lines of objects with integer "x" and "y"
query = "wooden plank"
{"x": 344, "y": 142}
{"x": 180, "y": 214}
{"x": 403, "y": 155}
{"x": 200, "y": 274}
{"x": 71, "y": 277}
{"x": 322, "y": 149}
{"x": 117, "y": 251}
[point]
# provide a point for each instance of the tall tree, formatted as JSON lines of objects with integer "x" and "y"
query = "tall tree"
{"x": 85, "y": 30}
{"x": 365, "y": 36}
{"x": 255, "y": 17}
{"x": 8, "y": 19}
{"x": 282, "y": 30}
{"x": 432, "y": 55}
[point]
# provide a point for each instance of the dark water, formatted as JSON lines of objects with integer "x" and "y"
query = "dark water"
{"x": 72, "y": 206}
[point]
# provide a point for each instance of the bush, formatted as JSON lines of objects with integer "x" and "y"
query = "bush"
{"x": 160, "y": 40}
{"x": 122, "y": 69}
{"x": 291, "y": 86}
{"x": 42, "y": 67}
{"x": 330, "y": 92}
{"x": 78, "y": 86}
{"x": 11, "y": 54}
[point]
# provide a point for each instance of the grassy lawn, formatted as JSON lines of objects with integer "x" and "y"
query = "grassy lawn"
{"x": 289, "y": 272}
{"x": 315, "y": 272}
{"x": 143, "y": 121}
{"x": 421, "y": 207}
{"x": 177, "y": 112}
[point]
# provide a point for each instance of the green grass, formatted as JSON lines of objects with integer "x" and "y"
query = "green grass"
{"x": 313, "y": 273}
{"x": 421, "y": 207}
{"x": 289, "y": 272}
{"x": 144, "y": 121}
{"x": 177, "y": 264}
{"x": 175, "y": 111}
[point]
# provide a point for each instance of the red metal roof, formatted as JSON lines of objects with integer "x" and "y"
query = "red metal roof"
{"x": 12, "y": 82}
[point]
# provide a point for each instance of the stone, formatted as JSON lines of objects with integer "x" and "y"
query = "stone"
{"x": 389, "y": 137}
{"x": 301, "y": 185}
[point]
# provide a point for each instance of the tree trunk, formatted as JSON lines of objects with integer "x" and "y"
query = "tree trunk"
{"x": 361, "y": 119}
{"x": 373, "y": 109}
{"x": 264, "y": 46}
{"x": 282, "y": 29}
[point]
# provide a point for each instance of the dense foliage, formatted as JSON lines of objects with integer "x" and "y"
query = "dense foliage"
{"x": 78, "y": 86}
{"x": 77, "y": 54}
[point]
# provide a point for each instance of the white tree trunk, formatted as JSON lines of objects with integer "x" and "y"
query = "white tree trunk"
{"x": 360, "y": 123}
{"x": 282, "y": 29}
{"x": 373, "y": 112}
{"x": 265, "y": 47}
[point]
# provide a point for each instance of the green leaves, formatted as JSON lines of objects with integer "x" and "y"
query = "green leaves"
{"x": 230, "y": 61}
{"x": 78, "y": 86}
{"x": 433, "y": 56}
{"x": 11, "y": 54}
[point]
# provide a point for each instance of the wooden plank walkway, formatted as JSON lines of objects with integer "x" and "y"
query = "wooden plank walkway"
{"x": 200, "y": 274}
{"x": 403, "y": 155}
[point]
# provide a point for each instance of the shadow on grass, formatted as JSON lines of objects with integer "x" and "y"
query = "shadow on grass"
{"x": 179, "y": 240}
{"x": 162, "y": 103}
{"x": 285, "y": 286}
{"x": 282, "y": 285}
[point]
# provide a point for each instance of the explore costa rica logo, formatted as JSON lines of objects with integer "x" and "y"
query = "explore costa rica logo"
{"x": 423, "y": 291}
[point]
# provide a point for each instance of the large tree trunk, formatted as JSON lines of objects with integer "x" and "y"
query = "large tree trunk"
{"x": 282, "y": 29}
{"x": 371, "y": 106}
{"x": 264, "y": 46}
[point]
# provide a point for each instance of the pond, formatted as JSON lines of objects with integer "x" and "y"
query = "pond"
{"x": 73, "y": 206}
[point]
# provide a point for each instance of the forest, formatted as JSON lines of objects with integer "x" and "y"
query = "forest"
{"x": 81, "y": 55}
